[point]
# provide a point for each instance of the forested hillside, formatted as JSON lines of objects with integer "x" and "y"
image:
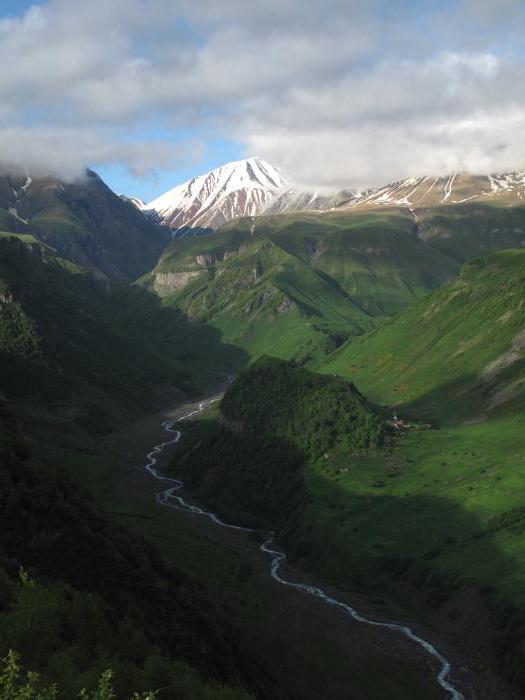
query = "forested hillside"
{"x": 273, "y": 422}
{"x": 78, "y": 594}
{"x": 63, "y": 341}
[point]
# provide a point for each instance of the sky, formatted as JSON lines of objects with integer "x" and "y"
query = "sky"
{"x": 339, "y": 94}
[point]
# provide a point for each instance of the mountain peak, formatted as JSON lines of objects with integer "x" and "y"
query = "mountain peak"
{"x": 240, "y": 188}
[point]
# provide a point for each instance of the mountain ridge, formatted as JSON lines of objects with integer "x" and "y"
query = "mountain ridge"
{"x": 208, "y": 201}
{"x": 85, "y": 221}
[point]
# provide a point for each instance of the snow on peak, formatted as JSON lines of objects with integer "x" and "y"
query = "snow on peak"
{"x": 239, "y": 188}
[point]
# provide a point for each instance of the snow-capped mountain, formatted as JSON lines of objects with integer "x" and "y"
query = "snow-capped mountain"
{"x": 241, "y": 188}
{"x": 506, "y": 188}
{"x": 253, "y": 187}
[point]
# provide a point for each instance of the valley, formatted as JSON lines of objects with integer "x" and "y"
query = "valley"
{"x": 169, "y": 499}
{"x": 262, "y": 350}
{"x": 250, "y": 594}
{"x": 363, "y": 373}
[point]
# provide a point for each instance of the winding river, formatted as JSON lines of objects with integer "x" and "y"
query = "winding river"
{"x": 169, "y": 499}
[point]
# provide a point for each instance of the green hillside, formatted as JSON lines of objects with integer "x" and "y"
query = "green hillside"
{"x": 85, "y": 222}
{"x": 375, "y": 257}
{"x": 473, "y": 229}
{"x": 421, "y": 518}
{"x": 296, "y": 286}
{"x": 63, "y": 342}
{"x": 455, "y": 354}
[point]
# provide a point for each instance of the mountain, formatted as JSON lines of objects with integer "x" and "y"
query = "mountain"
{"x": 240, "y": 188}
{"x": 298, "y": 285}
{"x": 136, "y": 201}
{"x": 294, "y": 286}
{"x": 253, "y": 187}
{"x": 458, "y": 353}
{"x": 418, "y": 192}
{"x": 507, "y": 189}
{"x": 84, "y": 221}
{"x": 293, "y": 201}
{"x": 67, "y": 347}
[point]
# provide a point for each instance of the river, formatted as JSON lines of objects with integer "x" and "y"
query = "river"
{"x": 169, "y": 498}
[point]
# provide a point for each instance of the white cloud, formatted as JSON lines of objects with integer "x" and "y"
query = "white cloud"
{"x": 66, "y": 151}
{"x": 339, "y": 93}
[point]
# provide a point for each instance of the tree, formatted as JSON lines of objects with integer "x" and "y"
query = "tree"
{"x": 16, "y": 684}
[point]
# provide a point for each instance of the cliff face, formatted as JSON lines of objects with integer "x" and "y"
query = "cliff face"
{"x": 166, "y": 283}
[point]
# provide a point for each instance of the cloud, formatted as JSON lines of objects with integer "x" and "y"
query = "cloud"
{"x": 66, "y": 151}
{"x": 338, "y": 93}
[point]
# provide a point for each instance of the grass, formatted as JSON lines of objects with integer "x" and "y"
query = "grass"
{"x": 298, "y": 285}
{"x": 453, "y": 355}
{"x": 433, "y": 491}
{"x": 419, "y": 516}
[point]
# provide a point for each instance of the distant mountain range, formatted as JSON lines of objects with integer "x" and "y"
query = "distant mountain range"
{"x": 507, "y": 188}
{"x": 253, "y": 186}
{"x": 414, "y": 192}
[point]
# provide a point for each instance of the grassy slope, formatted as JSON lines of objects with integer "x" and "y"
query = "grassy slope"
{"x": 471, "y": 230}
{"x": 435, "y": 522}
{"x": 454, "y": 354}
{"x": 295, "y": 286}
{"x": 433, "y": 519}
{"x": 266, "y": 299}
{"x": 375, "y": 257}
